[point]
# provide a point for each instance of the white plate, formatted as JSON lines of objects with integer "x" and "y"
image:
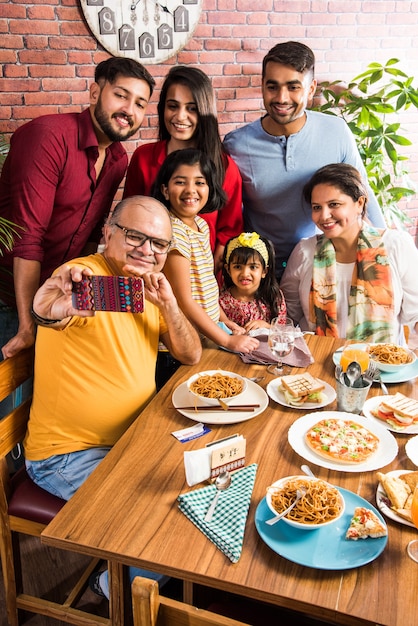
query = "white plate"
{"x": 385, "y": 453}
{"x": 278, "y": 396}
{"x": 409, "y": 372}
{"x": 372, "y": 403}
{"x": 383, "y": 504}
{"x": 411, "y": 450}
{"x": 254, "y": 394}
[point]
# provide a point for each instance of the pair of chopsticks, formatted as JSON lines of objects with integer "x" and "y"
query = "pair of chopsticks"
{"x": 231, "y": 407}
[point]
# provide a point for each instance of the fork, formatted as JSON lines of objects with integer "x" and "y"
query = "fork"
{"x": 378, "y": 378}
{"x": 299, "y": 494}
{"x": 371, "y": 373}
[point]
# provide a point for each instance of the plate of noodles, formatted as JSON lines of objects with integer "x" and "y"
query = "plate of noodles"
{"x": 325, "y": 548}
{"x": 321, "y": 505}
{"x": 201, "y": 411}
{"x": 212, "y": 385}
{"x": 390, "y": 358}
{"x": 402, "y": 374}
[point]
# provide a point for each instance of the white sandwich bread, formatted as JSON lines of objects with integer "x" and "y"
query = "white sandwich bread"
{"x": 398, "y": 411}
{"x": 399, "y": 491}
{"x": 301, "y": 388}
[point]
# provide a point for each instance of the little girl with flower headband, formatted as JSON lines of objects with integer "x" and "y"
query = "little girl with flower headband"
{"x": 251, "y": 296}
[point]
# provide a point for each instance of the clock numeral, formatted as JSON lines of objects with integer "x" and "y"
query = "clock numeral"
{"x": 146, "y": 46}
{"x": 126, "y": 37}
{"x": 107, "y": 22}
{"x": 95, "y": 3}
{"x": 181, "y": 20}
{"x": 190, "y": 1}
{"x": 165, "y": 37}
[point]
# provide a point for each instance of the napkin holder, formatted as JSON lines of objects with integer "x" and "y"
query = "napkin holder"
{"x": 224, "y": 455}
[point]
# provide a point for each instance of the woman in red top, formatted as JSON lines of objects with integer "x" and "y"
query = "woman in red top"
{"x": 187, "y": 119}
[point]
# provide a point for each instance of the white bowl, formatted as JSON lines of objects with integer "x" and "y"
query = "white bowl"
{"x": 214, "y": 401}
{"x": 306, "y": 479}
{"x": 388, "y": 367}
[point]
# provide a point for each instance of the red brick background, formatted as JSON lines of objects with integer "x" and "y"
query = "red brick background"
{"x": 47, "y": 54}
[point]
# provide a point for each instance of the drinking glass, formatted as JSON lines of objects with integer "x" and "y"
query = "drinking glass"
{"x": 413, "y": 545}
{"x": 288, "y": 322}
{"x": 281, "y": 342}
{"x": 354, "y": 354}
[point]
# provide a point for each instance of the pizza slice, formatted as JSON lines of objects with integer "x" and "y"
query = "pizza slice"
{"x": 364, "y": 524}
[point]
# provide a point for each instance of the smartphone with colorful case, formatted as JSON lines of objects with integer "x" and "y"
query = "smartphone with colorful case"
{"x": 121, "y": 294}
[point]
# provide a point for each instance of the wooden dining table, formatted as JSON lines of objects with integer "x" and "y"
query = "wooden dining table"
{"x": 127, "y": 511}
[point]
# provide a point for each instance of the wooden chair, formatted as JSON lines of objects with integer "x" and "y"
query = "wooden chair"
{"x": 25, "y": 508}
{"x": 151, "y": 609}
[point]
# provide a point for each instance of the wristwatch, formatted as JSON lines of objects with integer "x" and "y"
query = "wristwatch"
{"x": 149, "y": 31}
{"x": 43, "y": 320}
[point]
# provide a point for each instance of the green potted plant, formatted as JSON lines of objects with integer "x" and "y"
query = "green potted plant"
{"x": 7, "y": 229}
{"x": 371, "y": 105}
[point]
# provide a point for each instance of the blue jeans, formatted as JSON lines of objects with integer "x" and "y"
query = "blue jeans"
{"x": 62, "y": 475}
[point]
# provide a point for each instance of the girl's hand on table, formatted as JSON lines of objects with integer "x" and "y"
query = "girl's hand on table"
{"x": 256, "y": 324}
{"x": 241, "y": 343}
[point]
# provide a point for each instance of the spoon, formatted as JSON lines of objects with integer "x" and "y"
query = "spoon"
{"x": 299, "y": 494}
{"x": 353, "y": 372}
{"x": 222, "y": 482}
{"x": 307, "y": 470}
{"x": 338, "y": 371}
{"x": 223, "y": 404}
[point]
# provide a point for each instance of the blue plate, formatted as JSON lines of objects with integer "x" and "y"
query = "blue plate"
{"x": 325, "y": 548}
{"x": 409, "y": 372}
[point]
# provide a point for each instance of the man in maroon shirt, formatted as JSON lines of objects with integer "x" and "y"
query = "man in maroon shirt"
{"x": 58, "y": 183}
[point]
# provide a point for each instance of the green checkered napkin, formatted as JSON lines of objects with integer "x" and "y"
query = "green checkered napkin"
{"x": 226, "y": 529}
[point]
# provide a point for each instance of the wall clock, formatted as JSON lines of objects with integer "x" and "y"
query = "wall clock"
{"x": 149, "y": 31}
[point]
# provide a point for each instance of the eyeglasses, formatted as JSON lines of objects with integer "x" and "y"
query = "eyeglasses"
{"x": 136, "y": 239}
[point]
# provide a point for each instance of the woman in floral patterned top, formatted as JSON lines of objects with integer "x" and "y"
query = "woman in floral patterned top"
{"x": 251, "y": 296}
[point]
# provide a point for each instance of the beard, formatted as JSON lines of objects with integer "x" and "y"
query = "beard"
{"x": 105, "y": 123}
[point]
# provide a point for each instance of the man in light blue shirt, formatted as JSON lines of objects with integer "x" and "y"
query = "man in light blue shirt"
{"x": 278, "y": 153}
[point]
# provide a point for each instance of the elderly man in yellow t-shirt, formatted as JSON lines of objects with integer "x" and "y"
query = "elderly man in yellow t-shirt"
{"x": 95, "y": 372}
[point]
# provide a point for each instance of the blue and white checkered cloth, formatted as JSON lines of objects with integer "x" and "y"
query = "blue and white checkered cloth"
{"x": 227, "y": 527}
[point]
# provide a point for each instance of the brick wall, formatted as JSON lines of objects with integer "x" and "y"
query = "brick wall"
{"x": 47, "y": 54}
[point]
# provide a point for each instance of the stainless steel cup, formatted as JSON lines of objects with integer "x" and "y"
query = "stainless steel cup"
{"x": 351, "y": 399}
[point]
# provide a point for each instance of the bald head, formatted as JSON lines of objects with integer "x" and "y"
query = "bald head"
{"x": 139, "y": 204}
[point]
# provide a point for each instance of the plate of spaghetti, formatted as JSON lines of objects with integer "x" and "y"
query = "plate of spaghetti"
{"x": 321, "y": 505}
{"x": 212, "y": 385}
{"x": 326, "y": 548}
{"x": 390, "y": 357}
{"x": 199, "y": 410}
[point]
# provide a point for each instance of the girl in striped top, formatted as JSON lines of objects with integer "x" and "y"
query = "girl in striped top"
{"x": 188, "y": 185}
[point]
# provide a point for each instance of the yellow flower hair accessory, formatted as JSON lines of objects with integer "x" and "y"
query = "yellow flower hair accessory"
{"x": 248, "y": 240}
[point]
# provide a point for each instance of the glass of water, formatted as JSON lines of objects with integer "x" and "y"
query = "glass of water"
{"x": 281, "y": 342}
